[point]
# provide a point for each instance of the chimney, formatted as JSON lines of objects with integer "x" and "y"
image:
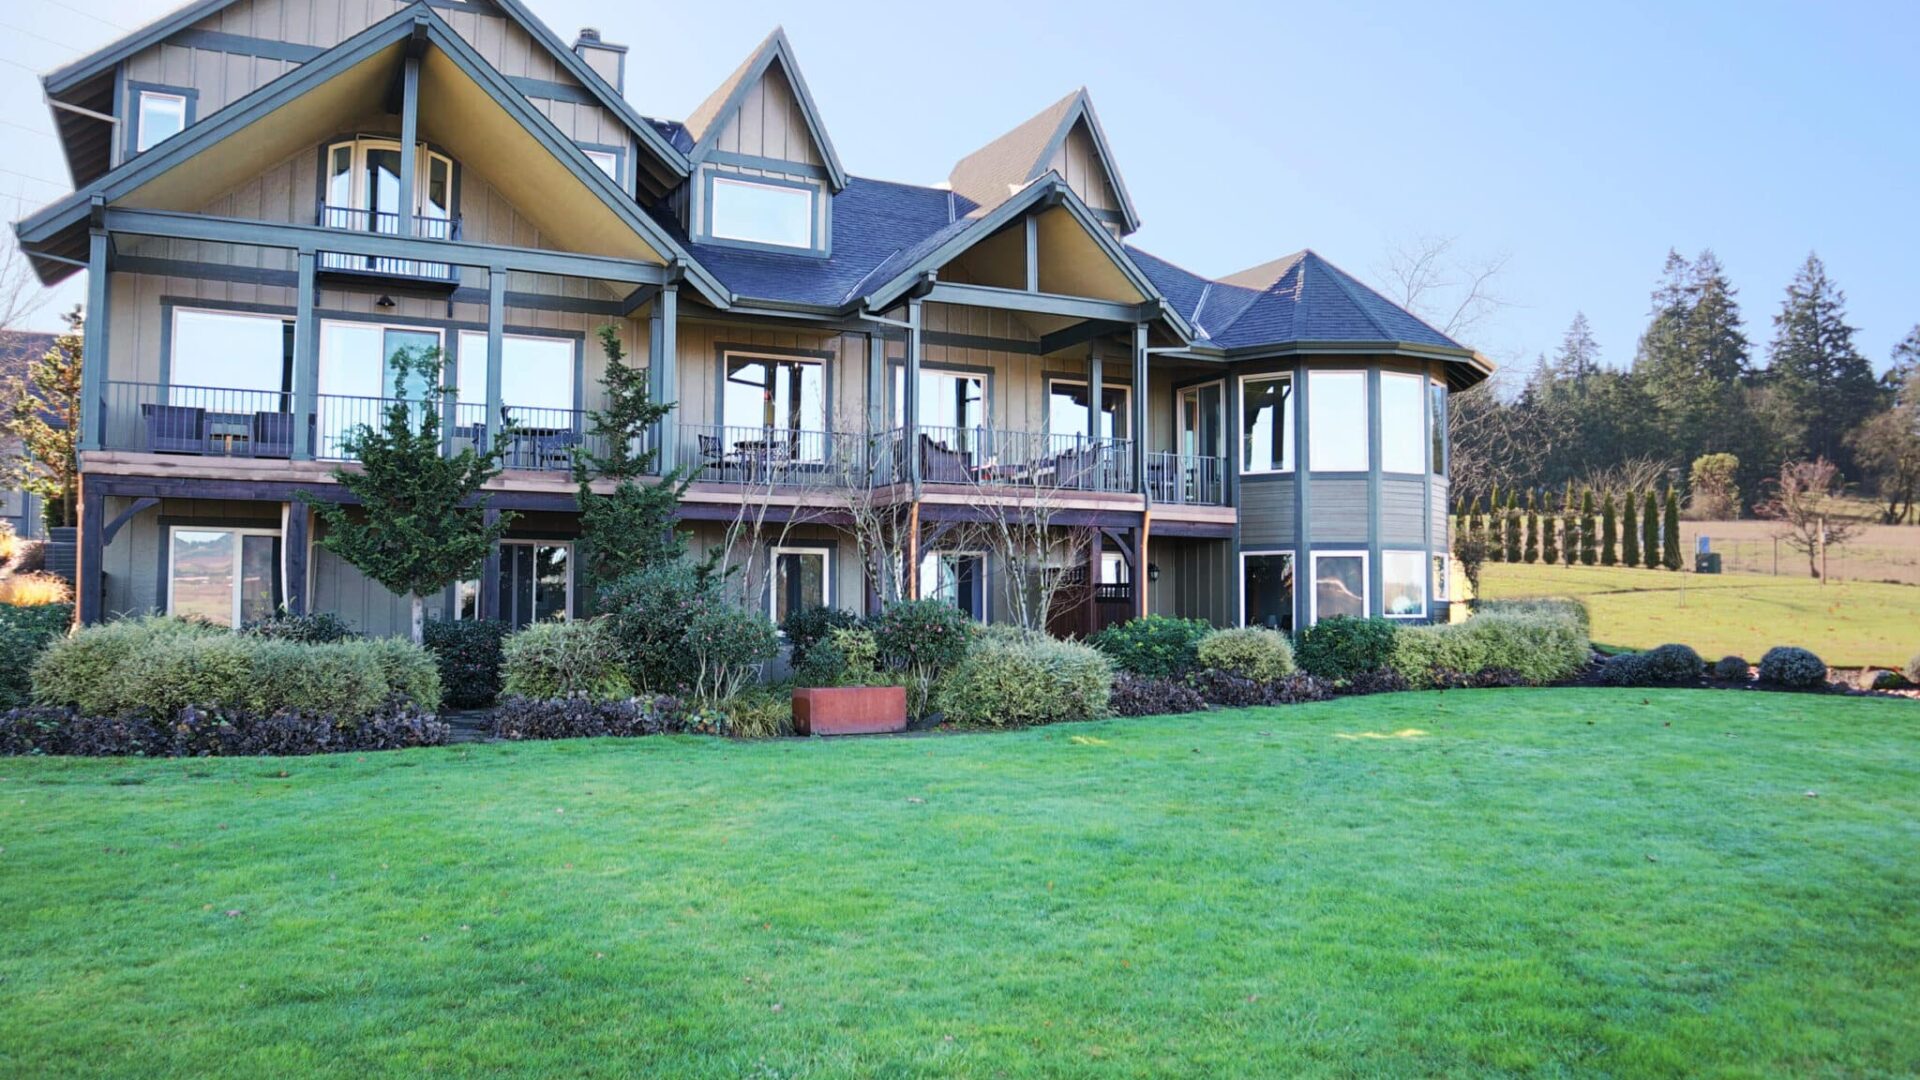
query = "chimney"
{"x": 609, "y": 60}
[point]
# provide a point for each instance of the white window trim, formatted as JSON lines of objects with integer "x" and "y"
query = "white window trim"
{"x": 566, "y": 611}
{"x": 1093, "y": 407}
{"x": 237, "y": 533}
{"x": 1366, "y": 419}
{"x": 1290, "y": 450}
{"x": 141, "y": 141}
{"x": 1265, "y": 552}
{"x": 1425, "y": 408}
{"x": 773, "y": 574}
{"x": 602, "y": 159}
{"x": 1313, "y": 581}
{"x": 1441, "y": 589}
{"x": 1180, "y": 412}
{"x": 964, "y": 553}
{"x": 813, "y": 212}
{"x": 1426, "y": 572}
{"x": 357, "y": 172}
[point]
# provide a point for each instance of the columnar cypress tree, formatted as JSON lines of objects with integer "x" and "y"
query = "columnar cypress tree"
{"x": 1650, "y": 532}
{"x": 1496, "y": 547}
{"x": 1629, "y": 532}
{"x": 1513, "y": 527}
{"x": 1609, "y": 533}
{"x": 1670, "y": 535}
{"x": 1549, "y": 533}
{"x": 1569, "y": 528}
{"x": 1532, "y": 553}
{"x": 1589, "y": 546}
{"x": 1473, "y": 521}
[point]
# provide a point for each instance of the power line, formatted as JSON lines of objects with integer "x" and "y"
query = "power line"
{"x": 89, "y": 14}
{"x": 40, "y": 37}
{"x": 35, "y": 179}
{"x": 28, "y": 130}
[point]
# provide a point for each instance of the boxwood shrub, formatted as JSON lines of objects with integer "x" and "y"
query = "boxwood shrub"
{"x": 1792, "y": 668}
{"x": 1156, "y": 646}
{"x": 1731, "y": 669}
{"x": 1251, "y": 652}
{"x": 1008, "y": 680}
{"x": 1342, "y": 647}
{"x": 1665, "y": 665}
{"x": 467, "y": 652}
{"x": 564, "y": 659}
{"x": 1539, "y": 646}
{"x": 809, "y": 626}
{"x": 26, "y": 631}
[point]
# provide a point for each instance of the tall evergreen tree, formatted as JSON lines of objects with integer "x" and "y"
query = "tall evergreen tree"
{"x": 1549, "y": 534}
{"x": 1496, "y": 533}
{"x": 1694, "y": 360}
{"x": 1631, "y": 532}
{"x": 1609, "y": 532}
{"x": 1569, "y": 528}
{"x": 40, "y": 417}
{"x": 1589, "y": 548}
{"x": 1824, "y": 385}
{"x": 1670, "y": 534}
{"x": 1650, "y": 531}
{"x": 1579, "y": 357}
{"x": 1513, "y": 527}
{"x": 1532, "y": 553}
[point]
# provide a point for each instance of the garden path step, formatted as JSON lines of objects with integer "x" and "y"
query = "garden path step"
{"x": 469, "y": 725}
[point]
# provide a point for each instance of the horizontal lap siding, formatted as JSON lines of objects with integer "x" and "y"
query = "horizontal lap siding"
{"x": 1441, "y": 505}
{"x": 1267, "y": 513}
{"x": 1403, "y": 512}
{"x": 1337, "y": 510}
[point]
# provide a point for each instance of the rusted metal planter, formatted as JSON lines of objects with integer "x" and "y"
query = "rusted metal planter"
{"x": 850, "y": 710}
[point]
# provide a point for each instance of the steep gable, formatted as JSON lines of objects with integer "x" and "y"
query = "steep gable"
{"x": 764, "y": 110}
{"x": 1066, "y": 139}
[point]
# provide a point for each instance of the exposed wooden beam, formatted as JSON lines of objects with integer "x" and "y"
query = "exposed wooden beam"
{"x": 1077, "y": 307}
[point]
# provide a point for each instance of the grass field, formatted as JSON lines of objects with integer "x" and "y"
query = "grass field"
{"x": 1878, "y": 553}
{"x": 1850, "y": 624}
{"x": 1552, "y": 881}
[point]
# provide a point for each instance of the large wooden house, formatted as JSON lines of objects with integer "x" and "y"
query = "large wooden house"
{"x": 272, "y": 196}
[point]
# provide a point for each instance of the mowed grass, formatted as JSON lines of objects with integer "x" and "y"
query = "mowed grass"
{"x": 1514, "y": 881}
{"x": 1850, "y": 624}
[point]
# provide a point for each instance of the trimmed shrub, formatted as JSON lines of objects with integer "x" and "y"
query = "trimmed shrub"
{"x": 317, "y": 629}
{"x": 647, "y": 613}
{"x": 822, "y": 665}
{"x": 1008, "y": 682}
{"x": 1139, "y": 695}
{"x": 1731, "y": 669}
{"x": 194, "y": 732}
{"x": 520, "y": 718}
{"x": 1537, "y": 646}
{"x": 1551, "y": 607}
{"x": 467, "y": 652}
{"x": 1156, "y": 646}
{"x": 1250, "y": 652}
{"x": 920, "y": 639}
{"x": 728, "y": 644}
{"x": 408, "y": 670}
{"x": 337, "y": 680}
{"x": 564, "y": 659}
{"x": 88, "y": 669}
{"x": 759, "y": 712}
{"x": 808, "y": 626}
{"x": 25, "y": 632}
{"x": 1342, "y": 647}
{"x": 1666, "y": 665}
{"x": 1793, "y": 668}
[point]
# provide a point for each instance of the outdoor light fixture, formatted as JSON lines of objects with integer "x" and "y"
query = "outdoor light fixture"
{"x": 1153, "y": 571}
{"x": 385, "y": 301}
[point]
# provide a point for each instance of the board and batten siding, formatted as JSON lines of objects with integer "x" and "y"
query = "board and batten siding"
{"x": 1196, "y": 579}
{"x": 1078, "y": 163}
{"x": 135, "y": 561}
{"x": 768, "y": 123}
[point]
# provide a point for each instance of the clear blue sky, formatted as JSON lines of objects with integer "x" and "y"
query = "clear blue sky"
{"x": 1581, "y": 140}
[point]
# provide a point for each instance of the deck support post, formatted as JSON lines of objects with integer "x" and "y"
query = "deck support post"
{"x": 409, "y": 136}
{"x": 306, "y": 368}
{"x": 1096, "y": 551}
{"x": 93, "y": 350}
{"x": 488, "y": 601}
{"x": 295, "y": 531}
{"x": 1139, "y": 423}
{"x": 88, "y": 573}
{"x": 666, "y": 313}
{"x": 911, "y": 404}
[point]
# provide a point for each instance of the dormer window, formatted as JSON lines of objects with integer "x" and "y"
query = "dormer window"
{"x": 762, "y": 211}
{"x": 363, "y": 188}
{"x": 160, "y": 115}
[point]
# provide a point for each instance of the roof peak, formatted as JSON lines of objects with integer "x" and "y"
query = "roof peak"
{"x": 709, "y": 118}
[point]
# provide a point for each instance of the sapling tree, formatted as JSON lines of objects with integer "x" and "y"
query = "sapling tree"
{"x": 422, "y": 521}
{"x": 40, "y": 424}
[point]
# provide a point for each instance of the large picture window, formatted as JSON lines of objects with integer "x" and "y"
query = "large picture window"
{"x": 959, "y": 578}
{"x": 801, "y": 579}
{"x": 1266, "y": 590}
{"x": 760, "y": 212}
{"x": 1337, "y": 421}
{"x": 1200, "y": 413}
{"x": 1067, "y": 413}
{"x": 536, "y": 582}
{"x": 535, "y": 372}
{"x": 1339, "y": 584}
{"x": 1266, "y": 424}
{"x": 1403, "y": 584}
{"x": 948, "y": 399}
{"x": 229, "y": 351}
{"x": 229, "y": 577}
{"x": 1403, "y": 443}
{"x": 775, "y": 392}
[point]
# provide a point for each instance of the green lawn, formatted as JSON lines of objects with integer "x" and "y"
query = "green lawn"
{"x": 1850, "y": 624}
{"x": 1515, "y": 881}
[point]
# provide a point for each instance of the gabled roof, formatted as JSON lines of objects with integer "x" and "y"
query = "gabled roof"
{"x": 56, "y": 225}
{"x": 80, "y": 71}
{"x": 709, "y": 117}
{"x": 991, "y": 173}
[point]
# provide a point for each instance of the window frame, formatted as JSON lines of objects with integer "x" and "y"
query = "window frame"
{"x": 710, "y": 225}
{"x": 1422, "y": 575}
{"x": 1293, "y": 558}
{"x": 1317, "y": 378}
{"x": 1366, "y": 580}
{"x": 774, "y": 553}
{"x": 1289, "y": 456}
{"x": 616, "y": 154}
{"x": 236, "y": 532}
{"x": 980, "y": 585}
{"x": 171, "y": 365}
{"x": 463, "y": 337}
{"x": 1093, "y": 410}
{"x": 566, "y": 610}
{"x": 139, "y": 92}
{"x": 1180, "y": 429}
{"x": 1421, "y": 406}
{"x": 358, "y": 196}
{"x": 728, "y": 354}
{"x": 1439, "y": 448}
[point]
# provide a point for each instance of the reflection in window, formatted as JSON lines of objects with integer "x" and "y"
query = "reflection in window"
{"x": 1402, "y": 423}
{"x": 761, "y": 213}
{"x": 1200, "y": 413}
{"x": 1339, "y": 584}
{"x": 162, "y": 116}
{"x": 1440, "y": 587}
{"x": 1266, "y": 424}
{"x": 1067, "y": 410}
{"x": 781, "y": 393}
{"x": 1267, "y": 591}
{"x": 230, "y": 351}
{"x": 1337, "y": 421}
{"x": 1403, "y": 584}
{"x": 948, "y": 399}
{"x": 228, "y": 577}
{"x": 535, "y": 372}
{"x": 799, "y": 581}
{"x": 958, "y": 578}
{"x": 536, "y": 582}
{"x": 1437, "y": 394}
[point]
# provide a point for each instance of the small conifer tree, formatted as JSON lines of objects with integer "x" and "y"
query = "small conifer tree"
{"x": 1609, "y": 532}
{"x": 1549, "y": 533}
{"x": 1569, "y": 528}
{"x": 1649, "y": 532}
{"x": 1532, "y": 553}
{"x": 1493, "y": 536}
{"x": 1513, "y": 527}
{"x": 1670, "y": 535}
{"x": 1629, "y": 531}
{"x": 1589, "y": 545}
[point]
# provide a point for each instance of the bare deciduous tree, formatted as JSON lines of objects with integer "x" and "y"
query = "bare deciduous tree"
{"x": 1806, "y": 500}
{"x": 1428, "y": 276}
{"x": 1634, "y": 475}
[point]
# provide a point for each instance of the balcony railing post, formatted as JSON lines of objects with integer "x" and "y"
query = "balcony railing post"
{"x": 305, "y": 360}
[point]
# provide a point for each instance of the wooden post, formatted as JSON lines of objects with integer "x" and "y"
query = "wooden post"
{"x": 1096, "y": 548}
{"x": 295, "y": 534}
{"x": 494, "y": 423}
{"x": 89, "y": 573}
{"x": 911, "y": 396}
{"x": 489, "y": 598}
{"x": 912, "y": 590}
{"x": 666, "y": 308}
{"x": 1140, "y": 580}
{"x": 93, "y": 347}
{"x": 409, "y": 135}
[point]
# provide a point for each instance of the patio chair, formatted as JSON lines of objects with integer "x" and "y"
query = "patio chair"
{"x": 272, "y": 435}
{"x": 941, "y": 465}
{"x": 176, "y": 429}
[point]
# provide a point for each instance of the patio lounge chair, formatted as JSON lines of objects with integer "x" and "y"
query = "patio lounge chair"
{"x": 176, "y": 429}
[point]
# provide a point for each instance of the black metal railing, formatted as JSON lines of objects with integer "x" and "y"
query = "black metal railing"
{"x": 205, "y": 420}
{"x": 1189, "y": 479}
{"x": 387, "y": 223}
{"x": 996, "y": 457}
